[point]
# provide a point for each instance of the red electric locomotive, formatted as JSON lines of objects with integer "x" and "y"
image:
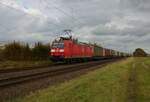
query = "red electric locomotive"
{"x": 67, "y": 48}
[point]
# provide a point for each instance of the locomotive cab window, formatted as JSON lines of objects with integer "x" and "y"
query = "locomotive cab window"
{"x": 58, "y": 45}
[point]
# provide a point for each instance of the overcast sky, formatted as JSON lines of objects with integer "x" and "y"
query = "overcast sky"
{"x": 119, "y": 24}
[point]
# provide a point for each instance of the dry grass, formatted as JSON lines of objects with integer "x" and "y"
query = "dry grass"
{"x": 143, "y": 80}
{"x": 22, "y": 64}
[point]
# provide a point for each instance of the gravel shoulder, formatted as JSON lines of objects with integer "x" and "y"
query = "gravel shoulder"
{"x": 6, "y": 65}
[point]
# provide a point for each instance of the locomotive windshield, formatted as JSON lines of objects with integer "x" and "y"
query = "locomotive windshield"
{"x": 58, "y": 45}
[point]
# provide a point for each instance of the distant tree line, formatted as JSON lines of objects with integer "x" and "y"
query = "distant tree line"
{"x": 18, "y": 51}
{"x": 139, "y": 52}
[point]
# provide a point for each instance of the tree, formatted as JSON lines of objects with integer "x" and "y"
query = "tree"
{"x": 12, "y": 51}
{"x": 40, "y": 51}
{"x": 139, "y": 52}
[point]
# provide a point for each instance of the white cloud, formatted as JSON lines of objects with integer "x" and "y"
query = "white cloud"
{"x": 11, "y": 3}
{"x": 15, "y": 5}
{"x": 119, "y": 24}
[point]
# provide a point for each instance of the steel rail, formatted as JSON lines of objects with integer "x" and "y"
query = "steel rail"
{"x": 16, "y": 79}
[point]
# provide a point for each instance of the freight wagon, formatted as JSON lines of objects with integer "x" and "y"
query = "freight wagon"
{"x": 98, "y": 52}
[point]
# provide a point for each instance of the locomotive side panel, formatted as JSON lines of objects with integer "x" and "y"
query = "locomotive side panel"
{"x": 67, "y": 49}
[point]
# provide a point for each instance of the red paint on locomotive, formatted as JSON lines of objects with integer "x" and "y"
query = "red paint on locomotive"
{"x": 70, "y": 48}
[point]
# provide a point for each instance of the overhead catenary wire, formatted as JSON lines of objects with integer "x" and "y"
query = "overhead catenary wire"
{"x": 57, "y": 10}
{"x": 25, "y": 13}
{"x": 60, "y": 26}
{"x": 62, "y": 11}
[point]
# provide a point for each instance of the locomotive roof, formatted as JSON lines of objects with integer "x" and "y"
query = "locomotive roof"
{"x": 65, "y": 38}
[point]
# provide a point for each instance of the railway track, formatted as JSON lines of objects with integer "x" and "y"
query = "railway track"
{"x": 29, "y": 68}
{"x": 16, "y": 77}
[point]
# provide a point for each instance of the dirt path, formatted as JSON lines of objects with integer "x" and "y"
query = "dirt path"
{"x": 132, "y": 81}
{"x": 145, "y": 66}
{"x": 131, "y": 84}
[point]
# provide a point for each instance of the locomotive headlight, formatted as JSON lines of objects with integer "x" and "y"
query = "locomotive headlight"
{"x": 52, "y": 50}
{"x": 61, "y": 50}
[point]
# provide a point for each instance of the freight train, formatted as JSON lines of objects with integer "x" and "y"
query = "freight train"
{"x": 69, "y": 49}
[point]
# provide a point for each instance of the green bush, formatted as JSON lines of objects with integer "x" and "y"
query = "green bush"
{"x": 40, "y": 51}
{"x": 17, "y": 51}
{"x": 12, "y": 51}
{"x": 1, "y": 55}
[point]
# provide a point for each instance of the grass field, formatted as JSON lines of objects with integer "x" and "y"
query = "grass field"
{"x": 143, "y": 80}
{"x": 21, "y": 64}
{"x": 108, "y": 84}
